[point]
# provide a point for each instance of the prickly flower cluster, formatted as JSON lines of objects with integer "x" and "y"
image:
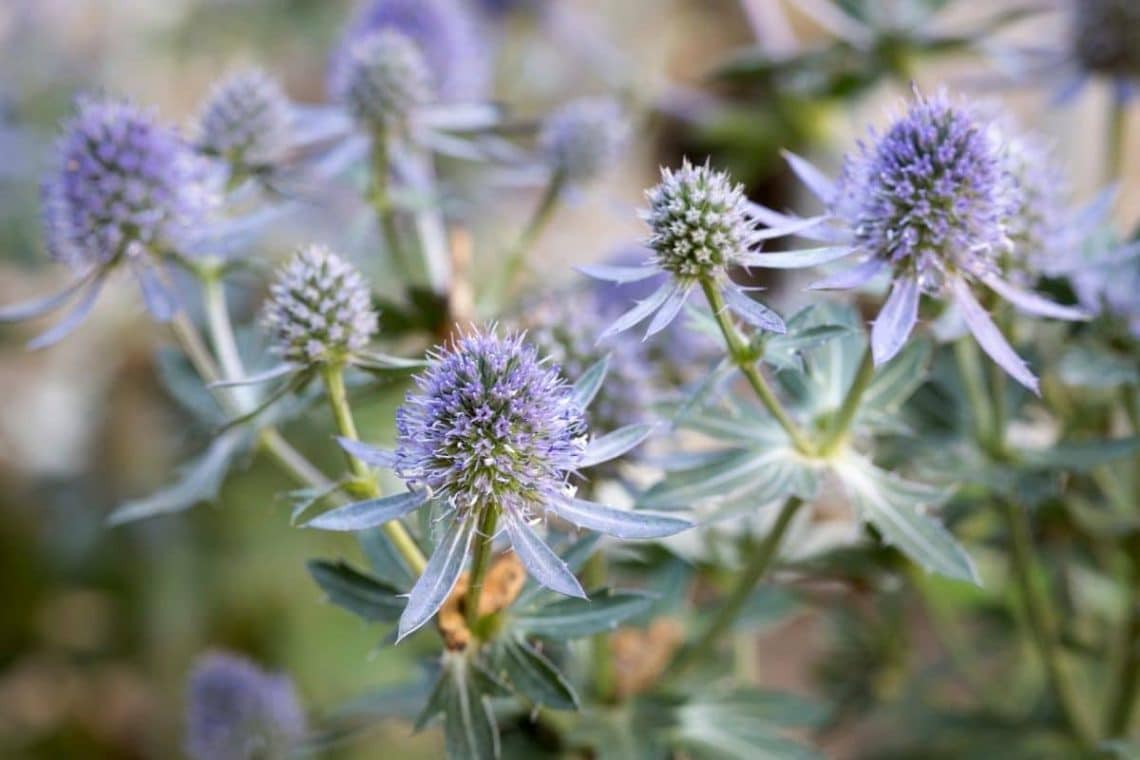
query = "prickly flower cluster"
{"x": 583, "y": 138}
{"x": 123, "y": 184}
{"x": 446, "y": 33}
{"x": 930, "y": 196}
{"x": 245, "y": 120}
{"x": 236, "y": 711}
{"x": 319, "y": 309}
{"x": 491, "y": 424}
{"x": 699, "y": 222}
{"x": 388, "y": 78}
{"x": 566, "y": 330}
{"x": 1038, "y": 224}
{"x": 1105, "y": 36}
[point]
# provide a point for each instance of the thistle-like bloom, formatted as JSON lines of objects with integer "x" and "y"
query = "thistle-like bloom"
{"x": 583, "y": 138}
{"x": 245, "y": 121}
{"x": 236, "y": 711}
{"x": 493, "y": 427}
{"x": 387, "y": 79}
{"x": 125, "y": 190}
{"x": 446, "y": 33}
{"x": 933, "y": 203}
{"x": 701, "y": 227}
{"x": 319, "y": 309}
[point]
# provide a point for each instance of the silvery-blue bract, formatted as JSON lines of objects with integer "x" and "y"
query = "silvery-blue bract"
{"x": 245, "y": 120}
{"x": 236, "y": 711}
{"x": 445, "y": 31}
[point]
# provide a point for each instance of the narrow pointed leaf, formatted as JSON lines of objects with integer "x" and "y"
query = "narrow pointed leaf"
{"x": 854, "y": 277}
{"x": 613, "y": 445}
{"x": 37, "y": 307}
{"x": 896, "y": 320}
{"x": 546, "y": 567}
{"x": 1032, "y": 303}
{"x": 533, "y": 676}
{"x": 368, "y": 514}
{"x": 989, "y": 337}
{"x": 359, "y": 593}
{"x": 370, "y": 455}
{"x": 618, "y": 274}
{"x": 622, "y": 523}
{"x": 590, "y": 383}
{"x": 439, "y": 577}
{"x": 753, "y": 312}
{"x": 790, "y": 228}
{"x": 668, "y": 311}
{"x": 374, "y": 360}
{"x": 641, "y": 311}
{"x": 575, "y": 618}
{"x": 281, "y": 370}
{"x": 72, "y": 319}
{"x": 819, "y": 183}
{"x": 801, "y": 259}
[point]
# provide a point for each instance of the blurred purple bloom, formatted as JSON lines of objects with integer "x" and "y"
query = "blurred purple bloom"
{"x": 584, "y": 138}
{"x": 933, "y": 203}
{"x": 245, "y": 120}
{"x": 236, "y": 711}
{"x": 446, "y": 32}
{"x": 387, "y": 78}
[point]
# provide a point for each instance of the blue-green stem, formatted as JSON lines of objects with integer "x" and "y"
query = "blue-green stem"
{"x": 601, "y": 658}
{"x": 484, "y": 538}
{"x": 760, "y": 560}
{"x": 1114, "y": 144}
{"x": 381, "y": 198}
{"x": 846, "y": 415}
{"x": 742, "y": 355}
{"x": 365, "y": 480}
{"x": 515, "y": 264}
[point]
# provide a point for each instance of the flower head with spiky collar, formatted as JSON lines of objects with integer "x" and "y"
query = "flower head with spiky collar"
{"x": 245, "y": 121}
{"x": 491, "y": 426}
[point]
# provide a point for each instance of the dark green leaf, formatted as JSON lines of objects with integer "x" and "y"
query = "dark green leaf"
{"x": 461, "y": 694}
{"x": 361, "y": 594}
{"x": 1080, "y": 456}
{"x": 569, "y": 618}
{"x": 532, "y": 675}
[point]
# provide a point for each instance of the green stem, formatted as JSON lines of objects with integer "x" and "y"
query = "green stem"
{"x": 369, "y": 486}
{"x": 1114, "y": 146}
{"x": 484, "y": 538}
{"x": 602, "y": 664}
{"x": 1039, "y": 618}
{"x": 1122, "y": 697}
{"x": 842, "y": 424}
{"x": 381, "y": 198}
{"x": 515, "y": 264}
{"x": 970, "y": 370}
{"x": 745, "y": 583}
{"x": 741, "y": 354}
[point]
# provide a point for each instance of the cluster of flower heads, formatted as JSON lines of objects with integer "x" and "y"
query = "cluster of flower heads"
{"x": 387, "y": 78}
{"x": 492, "y": 426}
{"x": 319, "y": 309}
{"x": 584, "y": 138}
{"x": 446, "y": 34}
{"x": 934, "y": 203}
{"x": 237, "y": 711}
{"x": 246, "y": 121}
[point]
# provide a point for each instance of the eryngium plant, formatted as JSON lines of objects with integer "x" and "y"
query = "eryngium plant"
{"x": 246, "y": 121}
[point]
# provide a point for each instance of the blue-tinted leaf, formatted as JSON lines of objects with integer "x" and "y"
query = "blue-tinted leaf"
{"x": 822, "y": 186}
{"x": 73, "y": 318}
{"x": 726, "y": 475}
{"x": 801, "y": 259}
{"x": 588, "y": 385}
{"x": 618, "y": 274}
{"x": 375, "y": 360}
{"x": 361, "y": 594}
{"x": 613, "y": 445}
{"x": 1080, "y": 456}
{"x": 896, "y": 508}
{"x": 37, "y": 307}
{"x": 532, "y": 675}
{"x": 439, "y": 577}
{"x": 575, "y": 618}
{"x": 622, "y": 523}
{"x": 641, "y": 311}
{"x": 370, "y": 455}
{"x": 369, "y": 514}
{"x": 546, "y": 567}
{"x": 753, "y": 312}
{"x": 896, "y": 320}
{"x": 199, "y": 481}
{"x": 668, "y": 311}
{"x": 989, "y": 337}
{"x": 281, "y": 370}
{"x": 384, "y": 559}
{"x": 461, "y": 694}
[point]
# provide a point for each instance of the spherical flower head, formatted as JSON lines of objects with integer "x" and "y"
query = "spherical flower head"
{"x": 245, "y": 120}
{"x": 584, "y": 138}
{"x": 564, "y": 327}
{"x": 122, "y": 184}
{"x": 319, "y": 309}
{"x": 236, "y": 711}
{"x": 388, "y": 78}
{"x": 1037, "y": 224}
{"x": 446, "y": 32}
{"x": 930, "y": 196}
{"x": 699, "y": 222}
{"x": 490, "y": 424}
{"x": 1105, "y": 36}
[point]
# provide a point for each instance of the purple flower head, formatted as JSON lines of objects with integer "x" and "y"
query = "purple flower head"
{"x": 236, "y": 711}
{"x": 319, "y": 309}
{"x": 937, "y": 203}
{"x": 123, "y": 184}
{"x": 492, "y": 429}
{"x": 446, "y": 33}
{"x": 1105, "y": 37}
{"x": 584, "y": 138}
{"x": 245, "y": 121}
{"x": 387, "y": 78}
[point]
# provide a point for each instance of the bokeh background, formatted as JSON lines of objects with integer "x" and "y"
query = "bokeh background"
{"x": 98, "y": 626}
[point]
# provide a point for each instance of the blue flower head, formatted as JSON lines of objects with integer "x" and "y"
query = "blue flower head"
{"x": 446, "y": 33}
{"x": 584, "y": 138}
{"x": 319, "y": 309}
{"x": 491, "y": 426}
{"x": 935, "y": 202}
{"x": 245, "y": 121}
{"x": 236, "y": 711}
{"x": 387, "y": 78}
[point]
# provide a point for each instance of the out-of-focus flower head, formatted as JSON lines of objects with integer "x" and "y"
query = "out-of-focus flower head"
{"x": 319, "y": 309}
{"x": 1104, "y": 39}
{"x": 933, "y": 203}
{"x": 236, "y": 711}
{"x": 387, "y": 79}
{"x": 446, "y": 33}
{"x": 245, "y": 121}
{"x": 584, "y": 138}
{"x": 492, "y": 426}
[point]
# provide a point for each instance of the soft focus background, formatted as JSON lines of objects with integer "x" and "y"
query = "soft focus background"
{"x": 98, "y": 626}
